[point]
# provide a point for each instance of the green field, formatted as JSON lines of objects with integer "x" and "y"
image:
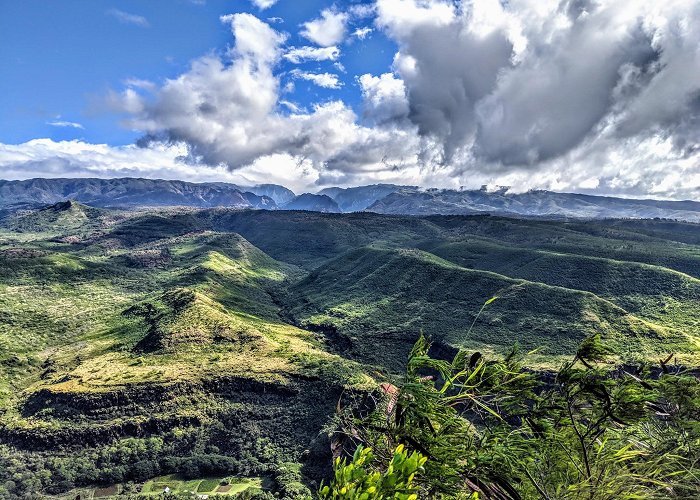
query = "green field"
{"x": 216, "y": 343}
{"x": 207, "y": 486}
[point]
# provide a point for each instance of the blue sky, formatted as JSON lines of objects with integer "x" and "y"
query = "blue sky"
{"x": 596, "y": 96}
{"x": 61, "y": 57}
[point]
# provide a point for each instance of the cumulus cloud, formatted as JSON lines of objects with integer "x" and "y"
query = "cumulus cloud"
{"x": 384, "y": 97}
{"x": 226, "y": 111}
{"x": 127, "y": 18}
{"x": 446, "y": 68}
{"x": 327, "y": 30}
{"x": 264, "y": 4}
{"x": 325, "y": 80}
{"x": 299, "y": 55}
{"x": 545, "y": 105}
{"x": 525, "y": 87}
{"x": 574, "y": 95}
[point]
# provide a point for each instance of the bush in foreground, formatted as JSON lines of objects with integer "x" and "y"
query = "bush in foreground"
{"x": 493, "y": 429}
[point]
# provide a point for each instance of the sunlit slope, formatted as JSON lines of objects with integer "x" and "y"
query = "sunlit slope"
{"x": 620, "y": 241}
{"x": 61, "y": 218}
{"x": 374, "y": 299}
{"x": 652, "y": 292}
{"x": 185, "y": 309}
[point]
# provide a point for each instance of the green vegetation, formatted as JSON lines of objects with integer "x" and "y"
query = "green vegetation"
{"x": 395, "y": 294}
{"x": 356, "y": 480}
{"x": 217, "y": 343}
{"x": 493, "y": 429}
{"x": 178, "y": 485}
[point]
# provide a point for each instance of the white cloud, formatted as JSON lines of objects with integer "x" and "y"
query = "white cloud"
{"x": 65, "y": 124}
{"x": 401, "y": 17}
{"x": 227, "y": 113}
{"x": 384, "y": 97}
{"x": 580, "y": 95}
{"x": 298, "y": 55}
{"x": 47, "y": 158}
{"x": 445, "y": 68}
{"x": 294, "y": 108}
{"x": 256, "y": 42}
{"x": 362, "y": 10}
{"x": 263, "y": 4}
{"x": 325, "y": 80}
{"x": 127, "y": 18}
{"x": 138, "y": 83}
{"x": 519, "y": 85}
{"x": 362, "y": 33}
{"x": 327, "y": 30}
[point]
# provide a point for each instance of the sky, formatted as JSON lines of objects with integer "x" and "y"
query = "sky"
{"x": 595, "y": 96}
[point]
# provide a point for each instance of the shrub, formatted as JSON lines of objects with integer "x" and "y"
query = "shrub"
{"x": 358, "y": 480}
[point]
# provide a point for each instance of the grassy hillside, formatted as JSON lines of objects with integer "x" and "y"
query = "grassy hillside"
{"x": 307, "y": 239}
{"x": 377, "y": 298}
{"x": 652, "y": 292}
{"x": 139, "y": 332}
{"x": 593, "y": 238}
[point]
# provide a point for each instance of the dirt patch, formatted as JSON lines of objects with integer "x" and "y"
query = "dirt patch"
{"x": 22, "y": 253}
{"x": 109, "y": 491}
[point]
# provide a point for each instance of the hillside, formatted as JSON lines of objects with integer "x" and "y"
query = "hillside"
{"x": 218, "y": 341}
{"x": 377, "y": 301}
{"x": 652, "y": 292}
{"x": 61, "y": 218}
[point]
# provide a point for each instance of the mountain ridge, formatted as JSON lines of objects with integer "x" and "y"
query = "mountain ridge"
{"x": 535, "y": 203}
{"x": 130, "y": 192}
{"x": 386, "y": 199}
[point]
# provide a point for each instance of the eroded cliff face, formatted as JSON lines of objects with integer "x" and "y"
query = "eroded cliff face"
{"x": 292, "y": 412}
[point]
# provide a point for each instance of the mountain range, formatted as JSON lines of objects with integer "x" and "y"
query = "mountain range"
{"x": 379, "y": 198}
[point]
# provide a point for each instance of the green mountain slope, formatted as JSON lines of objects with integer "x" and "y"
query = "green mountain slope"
{"x": 184, "y": 319}
{"x": 655, "y": 293}
{"x": 61, "y": 218}
{"x": 308, "y": 239}
{"x": 593, "y": 238}
{"x": 378, "y": 300}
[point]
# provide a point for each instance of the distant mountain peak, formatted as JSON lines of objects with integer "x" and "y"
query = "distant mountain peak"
{"x": 355, "y": 199}
{"x": 313, "y": 202}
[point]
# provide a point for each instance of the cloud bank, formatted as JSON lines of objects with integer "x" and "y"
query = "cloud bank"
{"x": 570, "y": 95}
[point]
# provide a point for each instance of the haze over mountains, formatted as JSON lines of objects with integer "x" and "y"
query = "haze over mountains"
{"x": 379, "y": 198}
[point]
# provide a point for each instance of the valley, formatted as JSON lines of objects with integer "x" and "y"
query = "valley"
{"x": 211, "y": 341}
